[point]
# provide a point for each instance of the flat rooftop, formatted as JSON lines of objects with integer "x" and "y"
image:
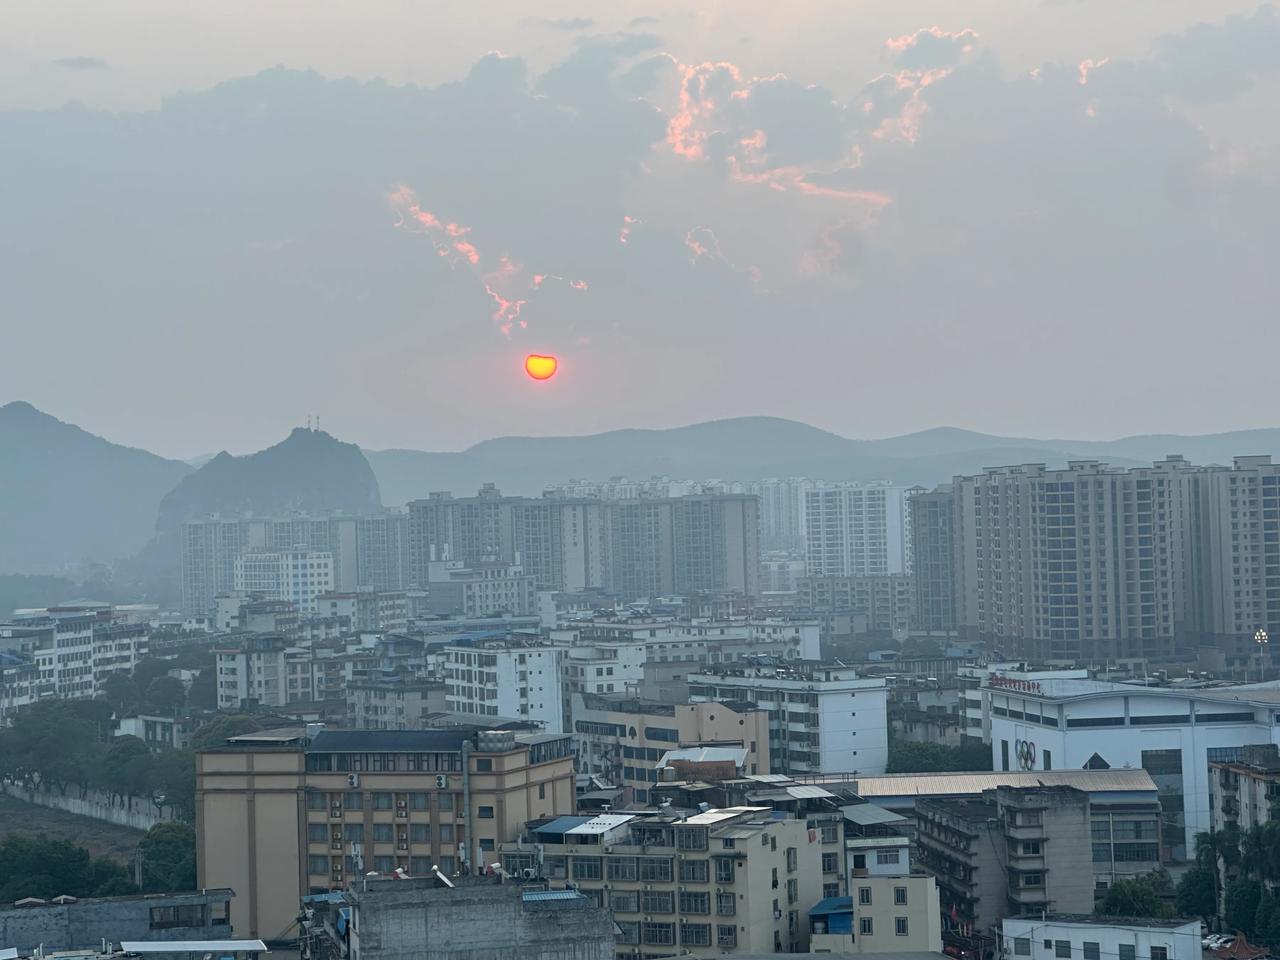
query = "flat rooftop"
{"x": 1096, "y": 921}
{"x": 893, "y": 785}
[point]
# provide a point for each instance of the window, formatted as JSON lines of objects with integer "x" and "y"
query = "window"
{"x": 1159, "y": 953}
{"x": 899, "y": 926}
{"x": 629, "y": 931}
{"x": 1092, "y": 950}
{"x": 317, "y": 864}
{"x": 586, "y": 868}
{"x": 354, "y": 832}
{"x": 726, "y": 936}
{"x": 163, "y": 918}
{"x": 382, "y": 801}
{"x": 1032, "y": 880}
{"x": 1031, "y": 848}
{"x": 1127, "y": 951}
{"x": 693, "y": 871}
{"x": 383, "y": 833}
{"x": 864, "y": 896}
{"x": 900, "y": 896}
{"x": 487, "y": 845}
{"x": 695, "y": 934}
{"x": 485, "y": 813}
{"x": 622, "y": 868}
{"x": 888, "y": 856}
{"x": 830, "y": 833}
{"x": 830, "y": 862}
{"x": 655, "y": 869}
{"x": 446, "y": 866}
{"x": 1029, "y": 818}
{"x": 726, "y": 906}
{"x": 317, "y": 801}
{"x": 691, "y": 902}
{"x": 625, "y": 901}
{"x": 353, "y": 800}
{"x": 446, "y": 801}
{"x": 446, "y": 833}
{"x": 384, "y": 864}
{"x": 658, "y": 934}
{"x": 1062, "y": 949}
{"x": 484, "y": 765}
{"x": 420, "y": 801}
{"x": 1022, "y": 946}
{"x": 657, "y": 901}
{"x": 420, "y": 833}
{"x": 317, "y": 833}
{"x": 724, "y": 870}
{"x": 864, "y": 926}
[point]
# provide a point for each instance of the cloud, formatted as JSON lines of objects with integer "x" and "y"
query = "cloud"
{"x": 81, "y": 63}
{"x": 1212, "y": 62}
{"x": 567, "y": 23}
{"x": 931, "y": 47}
{"x": 642, "y": 21}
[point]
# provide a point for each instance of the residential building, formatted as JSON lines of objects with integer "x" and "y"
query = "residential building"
{"x": 73, "y": 649}
{"x": 399, "y": 704}
{"x": 710, "y": 640}
{"x": 856, "y": 529}
{"x": 1056, "y": 935}
{"x": 721, "y": 881}
{"x": 472, "y": 919}
{"x": 514, "y": 677}
{"x": 890, "y": 908}
{"x": 1171, "y": 732}
{"x": 280, "y": 814}
{"x": 298, "y": 576}
{"x": 158, "y": 733}
{"x": 366, "y": 610}
{"x": 262, "y": 669}
{"x": 368, "y": 552}
{"x": 933, "y": 560}
{"x": 481, "y": 590}
{"x": 81, "y": 925}
{"x": 1012, "y": 852}
{"x": 1245, "y": 793}
{"x": 1080, "y": 564}
{"x": 879, "y": 603}
{"x": 780, "y": 573}
{"x": 823, "y": 718}
{"x": 622, "y": 739}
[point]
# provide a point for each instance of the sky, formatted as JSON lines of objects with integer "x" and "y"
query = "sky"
{"x": 1048, "y": 218}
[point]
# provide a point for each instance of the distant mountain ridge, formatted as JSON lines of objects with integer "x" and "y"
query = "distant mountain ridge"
{"x": 751, "y": 448}
{"x": 67, "y": 495}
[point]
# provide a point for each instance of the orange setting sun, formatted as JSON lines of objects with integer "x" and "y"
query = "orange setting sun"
{"x": 540, "y": 367}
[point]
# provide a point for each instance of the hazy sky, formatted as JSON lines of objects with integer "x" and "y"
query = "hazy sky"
{"x": 1049, "y": 217}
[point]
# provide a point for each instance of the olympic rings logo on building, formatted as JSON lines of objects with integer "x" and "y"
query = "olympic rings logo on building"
{"x": 1025, "y": 752}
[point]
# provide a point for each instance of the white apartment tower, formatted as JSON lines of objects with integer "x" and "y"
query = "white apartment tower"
{"x": 858, "y": 530}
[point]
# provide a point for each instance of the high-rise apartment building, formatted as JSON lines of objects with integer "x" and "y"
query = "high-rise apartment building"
{"x": 368, "y": 552}
{"x": 516, "y": 678}
{"x": 1083, "y": 563}
{"x": 634, "y": 548}
{"x": 854, "y": 529}
{"x": 933, "y": 559}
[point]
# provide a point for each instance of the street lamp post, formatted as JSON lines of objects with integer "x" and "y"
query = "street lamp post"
{"x": 1260, "y": 640}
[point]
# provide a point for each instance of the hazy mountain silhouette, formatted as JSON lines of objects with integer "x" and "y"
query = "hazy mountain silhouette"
{"x": 307, "y": 471}
{"x": 67, "y": 495}
{"x": 757, "y": 447}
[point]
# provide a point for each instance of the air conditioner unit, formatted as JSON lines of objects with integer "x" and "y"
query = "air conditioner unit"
{"x": 337, "y": 835}
{"x": 402, "y": 846}
{"x": 353, "y": 779}
{"x": 402, "y": 813}
{"x": 336, "y": 845}
{"x": 401, "y": 804}
{"x": 442, "y": 781}
{"x": 335, "y": 811}
{"x": 337, "y": 878}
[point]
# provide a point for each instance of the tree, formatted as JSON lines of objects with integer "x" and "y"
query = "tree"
{"x": 166, "y": 696}
{"x": 1267, "y": 920}
{"x": 121, "y": 692}
{"x": 203, "y": 694}
{"x": 1198, "y": 893}
{"x": 1260, "y": 852}
{"x": 173, "y": 782}
{"x": 148, "y": 669}
{"x": 35, "y": 866}
{"x": 1240, "y": 907}
{"x": 907, "y": 756}
{"x": 168, "y": 855}
{"x": 127, "y": 768}
{"x": 1218, "y": 850}
{"x": 216, "y": 731}
{"x": 1134, "y": 897}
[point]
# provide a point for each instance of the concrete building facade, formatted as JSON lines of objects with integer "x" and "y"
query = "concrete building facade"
{"x": 857, "y": 530}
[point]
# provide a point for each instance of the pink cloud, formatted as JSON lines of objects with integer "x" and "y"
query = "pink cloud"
{"x": 1088, "y": 66}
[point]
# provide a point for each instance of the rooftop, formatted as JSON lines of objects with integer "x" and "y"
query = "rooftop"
{"x": 957, "y": 784}
{"x": 1097, "y": 921}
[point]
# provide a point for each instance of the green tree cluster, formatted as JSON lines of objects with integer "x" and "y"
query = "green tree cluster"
{"x": 1237, "y": 876}
{"x": 906, "y": 756}
{"x": 36, "y": 866}
{"x": 1142, "y": 896}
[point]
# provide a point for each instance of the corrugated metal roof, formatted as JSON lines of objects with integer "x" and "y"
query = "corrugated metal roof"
{"x": 602, "y": 823}
{"x": 866, "y": 814}
{"x": 735, "y": 755}
{"x": 949, "y": 784}
{"x": 808, "y": 792}
{"x": 538, "y": 896}
{"x": 561, "y": 824}
{"x": 728, "y": 813}
{"x": 832, "y": 905}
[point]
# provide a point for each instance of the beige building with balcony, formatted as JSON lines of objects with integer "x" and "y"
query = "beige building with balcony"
{"x": 719, "y": 882}
{"x": 1245, "y": 792}
{"x": 280, "y": 814}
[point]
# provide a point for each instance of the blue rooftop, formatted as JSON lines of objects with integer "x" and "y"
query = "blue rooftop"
{"x": 832, "y": 905}
{"x": 561, "y": 824}
{"x": 538, "y": 896}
